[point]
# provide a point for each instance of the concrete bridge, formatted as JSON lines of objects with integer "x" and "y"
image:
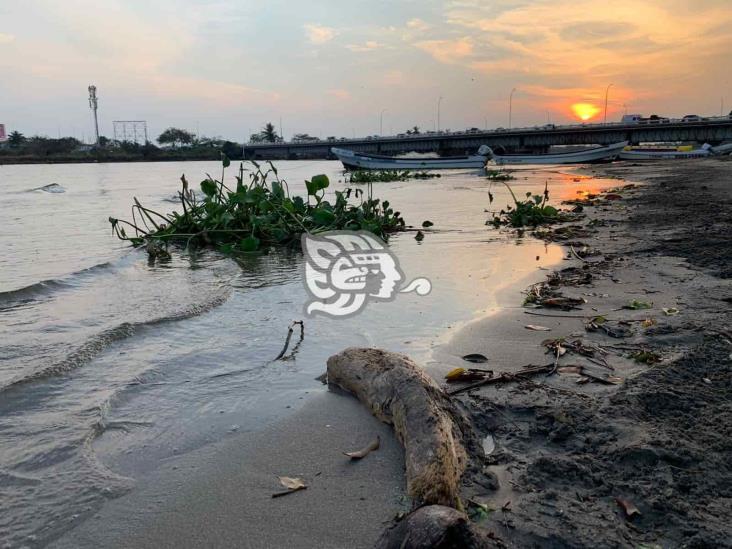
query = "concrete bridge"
{"x": 538, "y": 139}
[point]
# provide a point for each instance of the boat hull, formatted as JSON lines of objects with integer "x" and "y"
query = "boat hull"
{"x": 662, "y": 155}
{"x": 598, "y": 154}
{"x": 356, "y": 161}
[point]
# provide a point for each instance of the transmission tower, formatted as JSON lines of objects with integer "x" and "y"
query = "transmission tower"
{"x": 93, "y": 107}
{"x": 132, "y": 131}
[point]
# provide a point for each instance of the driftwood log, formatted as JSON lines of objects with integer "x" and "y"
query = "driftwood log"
{"x": 398, "y": 392}
{"x": 433, "y": 527}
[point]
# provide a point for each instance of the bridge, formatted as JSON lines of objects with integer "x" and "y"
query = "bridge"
{"x": 537, "y": 139}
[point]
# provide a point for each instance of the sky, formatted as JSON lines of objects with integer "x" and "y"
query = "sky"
{"x": 349, "y": 67}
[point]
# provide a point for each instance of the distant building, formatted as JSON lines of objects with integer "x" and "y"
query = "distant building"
{"x": 3, "y": 136}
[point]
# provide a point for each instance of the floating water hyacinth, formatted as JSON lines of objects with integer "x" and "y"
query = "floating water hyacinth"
{"x": 257, "y": 213}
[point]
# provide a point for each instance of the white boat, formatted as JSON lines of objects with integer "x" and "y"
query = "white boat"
{"x": 640, "y": 153}
{"x": 596, "y": 154}
{"x": 724, "y": 148}
{"x": 358, "y": 161}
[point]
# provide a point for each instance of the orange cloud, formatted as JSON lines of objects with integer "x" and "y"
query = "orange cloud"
{"x": 448, "y": 51}
{"x": 318, "y": 34}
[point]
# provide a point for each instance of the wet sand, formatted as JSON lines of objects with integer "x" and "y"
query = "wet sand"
{"x": 220, "y": 495}
{"x": 568, "y": 456}
{"x": 564, "y": 451}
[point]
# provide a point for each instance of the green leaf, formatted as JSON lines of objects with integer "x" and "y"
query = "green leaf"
{"x": 324, "y": 217}
{"x": 225, "y": 160}
{"x": 227, "y": 249}
{"x": 317, "y": 183}
{"x": 550, "y": 211}
{"x": 209, "y": 187}
{"x": 277, "y": 189}
{"x": 249, "y": 244}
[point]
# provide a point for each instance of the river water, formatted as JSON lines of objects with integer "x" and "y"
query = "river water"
{"x": 110, "y": 363}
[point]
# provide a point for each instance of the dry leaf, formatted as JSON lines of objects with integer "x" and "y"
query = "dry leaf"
{"x": 461, "y": 374}
{"x": 628, "y": 507}
{"x": 365, "y": 451}
{"x": 537, "y": 328}
{"x": 570, "y": 369}
{"x": 455, "y": 374}
{"x": 292, "y": 484}
{"x": 648, "y": 322}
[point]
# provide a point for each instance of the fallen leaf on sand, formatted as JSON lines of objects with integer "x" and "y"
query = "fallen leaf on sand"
{"x": 537, "y": 328}
{"x": 292, "y": 484}
{"x": 637, "y": 304}
{"x": 461, "y": 374}
{"x": 570, "y": 369}
{"x": 670, "y": 311}
{"x": 648, "y": 322}
{"x": 363, "y": 452}
{"x": 476, "y": 357}
{"x": 628, "y": 507}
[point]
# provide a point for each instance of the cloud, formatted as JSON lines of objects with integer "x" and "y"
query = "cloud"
{"x": 6, "y": 38}
{"x": 418, "y": 24}
{"x": 343, "y": 95}
{"x": 318, "y": 34}
{"x": 370, "y": 45}
{"x": 448, "y": 51}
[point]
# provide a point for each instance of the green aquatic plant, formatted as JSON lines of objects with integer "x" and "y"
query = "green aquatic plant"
{"x": 385, "y": 176}
{"x": 258, "y": 212}
{"x": 532, "y": 211}
{"x": 499, "y": 175}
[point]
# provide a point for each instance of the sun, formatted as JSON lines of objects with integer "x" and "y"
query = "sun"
{"x": 585, "y": 111}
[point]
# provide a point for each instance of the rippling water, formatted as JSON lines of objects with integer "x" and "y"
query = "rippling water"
{"x": 110, "y": 363}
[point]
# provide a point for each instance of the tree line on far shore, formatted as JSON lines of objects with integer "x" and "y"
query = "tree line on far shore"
{"x": 173, "y": 143}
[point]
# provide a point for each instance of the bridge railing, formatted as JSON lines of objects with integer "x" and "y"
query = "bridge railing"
{"x": 498, "y": 131}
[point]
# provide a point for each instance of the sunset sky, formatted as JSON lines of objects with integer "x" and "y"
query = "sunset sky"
{"x": 327, "y": 67}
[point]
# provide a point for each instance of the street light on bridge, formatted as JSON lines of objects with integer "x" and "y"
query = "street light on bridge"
{"x": 510, "y": 107}
{"x": 439, "y": 101}
{"x": 607, "y": 90}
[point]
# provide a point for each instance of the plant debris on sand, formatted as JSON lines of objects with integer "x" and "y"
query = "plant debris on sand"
{"x": 643, "y": 458}
{"x": 258, "y": 212}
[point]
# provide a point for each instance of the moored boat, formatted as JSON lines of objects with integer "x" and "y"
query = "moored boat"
{"x": 596, "y": 154}
{"x": 359, "y": 161}
{"x": 724, "y": 148}
{"x": 650, "y": 153}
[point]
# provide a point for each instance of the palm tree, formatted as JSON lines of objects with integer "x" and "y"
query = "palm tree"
{"x": 16, "y": 138}
{"x": 269, "y": 133}
{"x": 415, "y": 130}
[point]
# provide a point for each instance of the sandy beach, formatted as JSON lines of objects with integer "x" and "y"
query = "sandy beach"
{"x": 643, "y": 459}
{"x": 566, "y": 448}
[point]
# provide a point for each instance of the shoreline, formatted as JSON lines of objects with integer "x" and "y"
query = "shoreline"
{"x": 643, "y": 459}
{"x": 534, "y": 424}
